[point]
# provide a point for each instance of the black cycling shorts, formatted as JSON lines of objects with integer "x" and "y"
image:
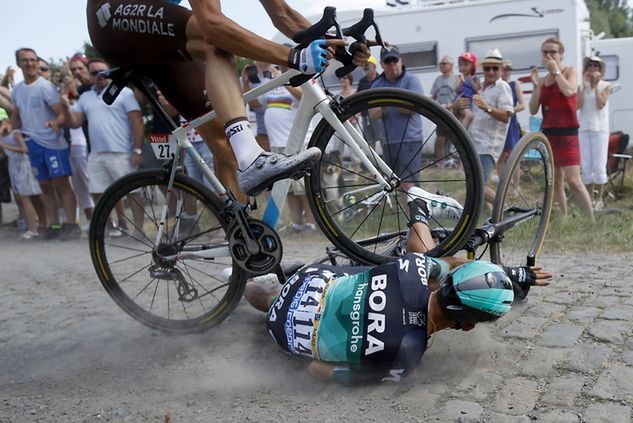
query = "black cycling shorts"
{"x": 151, "y": 32}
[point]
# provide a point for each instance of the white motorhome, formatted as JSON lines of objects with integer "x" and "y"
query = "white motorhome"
{"x": 617, "y": 53}
{"x": 427, "y": 30}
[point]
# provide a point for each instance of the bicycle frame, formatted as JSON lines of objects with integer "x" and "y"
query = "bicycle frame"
{"x": 313, "y": 100}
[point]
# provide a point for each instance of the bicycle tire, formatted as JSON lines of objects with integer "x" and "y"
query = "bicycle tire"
{"x": 341, "y": 216}
{"x": 188, "y": 295}
{"x": 526, "y": 183}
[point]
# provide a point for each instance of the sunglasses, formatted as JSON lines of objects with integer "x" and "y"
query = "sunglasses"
{"x": 390, "y": 61}
{"x": 550, "y": 52}
{"x": 43, "y": 69}
{"x": 445, "y": 63}
{"x": 491, "y": 68}
{"x": 593, "y": 65}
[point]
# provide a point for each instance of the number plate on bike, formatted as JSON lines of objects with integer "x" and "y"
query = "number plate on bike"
{"x": 163, "y": 145}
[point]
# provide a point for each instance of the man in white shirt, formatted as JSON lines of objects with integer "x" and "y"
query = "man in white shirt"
{"x": 116, "y": 135}
{"x": 491, "y": 115}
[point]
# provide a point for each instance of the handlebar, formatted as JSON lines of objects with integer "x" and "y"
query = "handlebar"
{"x": 357, "y": 31}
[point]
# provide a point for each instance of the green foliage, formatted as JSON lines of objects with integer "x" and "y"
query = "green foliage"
{"x": 91, "y": 52}
{"x": 613, "y": 17}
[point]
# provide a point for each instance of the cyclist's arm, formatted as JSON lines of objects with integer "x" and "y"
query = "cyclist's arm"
{"x": 287, "y": 20}
{"x": 222, "y": 32}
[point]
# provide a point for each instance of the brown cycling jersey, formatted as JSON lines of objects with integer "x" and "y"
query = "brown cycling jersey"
{"x": 152, "y": 33}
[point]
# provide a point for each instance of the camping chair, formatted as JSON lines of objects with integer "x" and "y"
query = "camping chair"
{"x": 616, "y": 164}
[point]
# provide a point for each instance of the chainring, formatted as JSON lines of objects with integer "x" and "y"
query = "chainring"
{"x": 270, "y": 248}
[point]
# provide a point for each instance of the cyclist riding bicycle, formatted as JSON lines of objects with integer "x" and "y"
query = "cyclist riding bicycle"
{"x": 174, "y": 42}
{"x": 362, "y": 325}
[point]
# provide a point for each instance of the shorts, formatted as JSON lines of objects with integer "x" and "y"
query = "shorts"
{"x": 404, "y": 158}
{"x": 151, "y": 33}
{"x": 48, "y": 163}
{"x": 105, "y": 168}
{"x": 290, "y": 313}
{"x": 487, "y": 165}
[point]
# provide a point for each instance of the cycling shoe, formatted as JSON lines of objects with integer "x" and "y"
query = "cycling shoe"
{"x": 271, "y": 167}
{"x": 439, "y": 206}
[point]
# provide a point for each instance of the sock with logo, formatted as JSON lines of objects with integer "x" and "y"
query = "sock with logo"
{"x": 242, "y": 141}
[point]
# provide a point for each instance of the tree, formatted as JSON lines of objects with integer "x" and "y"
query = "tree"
{"x": 613, "y": 17}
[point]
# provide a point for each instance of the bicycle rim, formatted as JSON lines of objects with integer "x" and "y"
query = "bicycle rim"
{"x": 183, "y": 295}
{"x": 525, "y": 189}
{"x": 370, "y": 223}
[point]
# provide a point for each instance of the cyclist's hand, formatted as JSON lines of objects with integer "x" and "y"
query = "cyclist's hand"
{"x": 360, "y": 53}
{"x": 314, "y": 58}
{"x": 543, "y": 278}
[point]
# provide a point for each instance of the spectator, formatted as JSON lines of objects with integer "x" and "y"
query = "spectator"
{"x": 514, "y": 129}
{"x": 5, "y": 90}
{"x": 45, "y": 70}
{"x": 593, "y": 97}
{"x": 556, "y": 93}
{"x": 467, "y": 85}
{"x": 40, "y": 116}
{"x": 198, "y": 143}
{"x": 76, "y": 83}
{"x": 252, "y": 77}
{"x": 372, "y": 129}
{"x": 443, "y": 91}
{"x": 403, "y": 141}
{"x": 23, "y": 183}
{"x": 116, "y": 134}
{"x": 347, "y": 85}
{"x": 281, "y": 107}
{"x": 493, "y": 109}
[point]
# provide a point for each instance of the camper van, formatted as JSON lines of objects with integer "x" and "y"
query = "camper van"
{"x": 427, "y": 30}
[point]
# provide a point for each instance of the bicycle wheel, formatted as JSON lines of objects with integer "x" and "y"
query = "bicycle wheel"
{"x": 368, "y": 222}
{"x": 162, "y": 283}
{"x": 524, "y": 202}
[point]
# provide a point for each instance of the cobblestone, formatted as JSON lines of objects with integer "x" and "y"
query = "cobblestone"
{"x": 563, "y": 390}
{"x": 615, "y": 384}
{"x": 561, "y": 335}
{"x": 587, "y": 357}
{"x": 607, "y": 413}
{"x": 540, "y": 362}
{"x": 558, "y": 416}
{"x": 517, "y": 397}
{"x": 623, "y": 312}
{"x": 582, "y": 315}
{"x": 612, "y": 331}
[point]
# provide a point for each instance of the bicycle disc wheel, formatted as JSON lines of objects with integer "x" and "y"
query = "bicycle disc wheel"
{"x": 165, "y": 284}
{"x": 364, "y": 219}
{"x": 524, "y": 201}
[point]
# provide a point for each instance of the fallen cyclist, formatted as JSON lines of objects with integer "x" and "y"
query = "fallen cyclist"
{"x": 369, "y": 324}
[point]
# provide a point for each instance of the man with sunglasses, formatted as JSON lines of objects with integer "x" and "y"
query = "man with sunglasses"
{"x": 116, "y": 133}
{"x": 491, "y": 116}
{"x": 373, "y": 324}
{"x": 402, "y": 145}
{"x": 39, "y": 115}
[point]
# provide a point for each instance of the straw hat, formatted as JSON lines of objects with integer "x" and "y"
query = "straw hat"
{"x": 594, "y": 59}
{"x": 493, "y": 56}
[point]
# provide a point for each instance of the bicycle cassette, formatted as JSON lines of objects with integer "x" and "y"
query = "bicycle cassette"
{"x": 267, "y": 242}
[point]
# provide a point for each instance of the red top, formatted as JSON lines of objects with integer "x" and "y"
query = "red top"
{"x": 558, "y": 111}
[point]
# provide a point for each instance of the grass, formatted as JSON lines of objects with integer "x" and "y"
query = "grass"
{"x": 611, "y": 233}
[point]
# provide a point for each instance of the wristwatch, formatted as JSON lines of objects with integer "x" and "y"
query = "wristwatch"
{"x": 489, "y": 110}
{"x": 137, "y": 151}
{"x": 556, "y": 73}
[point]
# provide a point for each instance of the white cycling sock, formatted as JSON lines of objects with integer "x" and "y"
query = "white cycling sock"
{"x": 243, "y": 143}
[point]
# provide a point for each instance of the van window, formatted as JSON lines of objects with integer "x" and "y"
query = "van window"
{"x": 524, "y": 49}
{"x": 419, "y": 55}
{"x": 612, "y": 67}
